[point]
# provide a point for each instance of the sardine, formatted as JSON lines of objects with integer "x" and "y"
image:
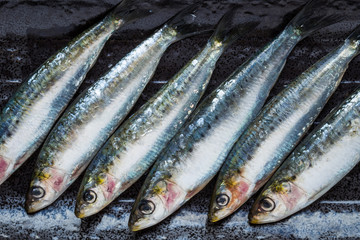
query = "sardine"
{"x": 198, "y": 150}
{"x": 31, "y": 112}
{"x": 98, "y": 111}
{"x": 133, "y": 148}
{"x": 277, "y": 130}
{"x": 321, "y": 160}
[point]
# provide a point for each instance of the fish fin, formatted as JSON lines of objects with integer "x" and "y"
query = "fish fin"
{"x": 129, "y": 10}
{"x": 184, "y": 22}
{"x": 355, "y": 35}
{"x": 228, "y": 31}
{"x": 312, "y": 17}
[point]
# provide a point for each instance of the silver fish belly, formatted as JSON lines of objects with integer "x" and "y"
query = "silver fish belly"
{"x": 277, "y": 130}
{"x": 137, "y": 143}
{"x": 132, "y": 149}
{"x": 321, "y": 160}
{"x": 95, "y": 114}
{"x": 198, "y": 150}
{"x": 33, "y": 109}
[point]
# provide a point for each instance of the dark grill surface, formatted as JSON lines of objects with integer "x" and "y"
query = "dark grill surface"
{"x": 31, "y": 31}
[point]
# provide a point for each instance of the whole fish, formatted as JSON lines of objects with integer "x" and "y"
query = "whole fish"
{"x": 132, "y": 149}
{"x": 277, "y": 130}
{"x": 197, "y": 151}
{"x": 98, "y": 111}
{"x": 320, "y": 161}
{"x": 33, "y": 109}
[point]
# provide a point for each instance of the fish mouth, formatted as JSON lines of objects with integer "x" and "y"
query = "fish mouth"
{"x": 133, "y": 225}
{"x": 215, "y": 214}
{"x": 83, "y": 211}
{"x": 134, "y": 228}
{"x": 137, "y": 223}
{"x": 79, "y": 213}
{"x": 213, "y": 218}
{"x": 33, "y": 206}
{"x": 219, "y": 214}
{"x": 253, "y": 219}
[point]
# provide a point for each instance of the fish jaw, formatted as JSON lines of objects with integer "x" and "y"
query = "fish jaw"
{"x": 96, "y": 193}
{"x": 277, "y": 202}
{"x": 86, "y": 207}
{"x": 228, "y": 197}
{"x": 51, "y": 183}
{"x": 138, "y": 220}
{"x": 164, "y": 199}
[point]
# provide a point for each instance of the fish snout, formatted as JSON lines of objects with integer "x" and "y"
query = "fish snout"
{"x": 228, "y": 198}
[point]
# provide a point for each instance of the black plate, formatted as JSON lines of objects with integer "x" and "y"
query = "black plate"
{"x": 31, "y": 31}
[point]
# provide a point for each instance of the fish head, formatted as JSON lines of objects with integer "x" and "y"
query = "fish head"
{"x": 278, "y": 201}
{"x": 46, "y": 186}
{"x": 96, "y": 192}
{"x": 230, "y": 193}
{"x": 155, "y": 204}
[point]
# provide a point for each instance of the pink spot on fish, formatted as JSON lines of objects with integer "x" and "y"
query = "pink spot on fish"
{"x": 243, "y": 187}
{"x": 57, "y": 183}
{"x": 57, "y": 178}
{"x": 171, "y": 195}
{"x": 109, "y": 187}
{"x": 239, "y": 192}
{"x": 293, "y": 197}
{"x": 110, "y": 184}
{"x": 3, "y": 167}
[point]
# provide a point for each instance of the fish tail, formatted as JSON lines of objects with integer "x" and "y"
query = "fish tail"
{"x": 312, "y": 17}
{"x": 129, "y": 10}
{"x": 184, "y": 22}
{"x": 228, "y": 31}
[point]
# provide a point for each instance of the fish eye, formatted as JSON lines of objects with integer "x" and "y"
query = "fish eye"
{"x": 267, "y": 204}
{"x": 147, "y": 207}
{"x": 222, "y": 200}
{"x": 37, "y": 192}
{"x": 89, "y": 196}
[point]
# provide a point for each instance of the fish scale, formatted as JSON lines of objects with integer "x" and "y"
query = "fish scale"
{"x": 219, "y": 104}
{"x": 102, "y": 112}
{"x": 98, "y": 111}
{"x": 279, "y": 127}
{"x": 90, "y": 105}
{"x": 135, "y": 145}
{"x": 196, "y": 152}
{"x": 33, "y": 109}
{"x": 322, "y": 159}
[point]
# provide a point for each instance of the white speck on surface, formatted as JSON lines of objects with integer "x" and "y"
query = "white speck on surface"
{"x": 16, "y": 80}
{"x": 301, "y": 226}
{"x": 341, "y": 202}
{"x": 188, "y": 219}
{"x": 42, "y": 221}
{"x": 200, "y": 122}
{"x": 159, "y": 82}
{"x": 113, "y": 222}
